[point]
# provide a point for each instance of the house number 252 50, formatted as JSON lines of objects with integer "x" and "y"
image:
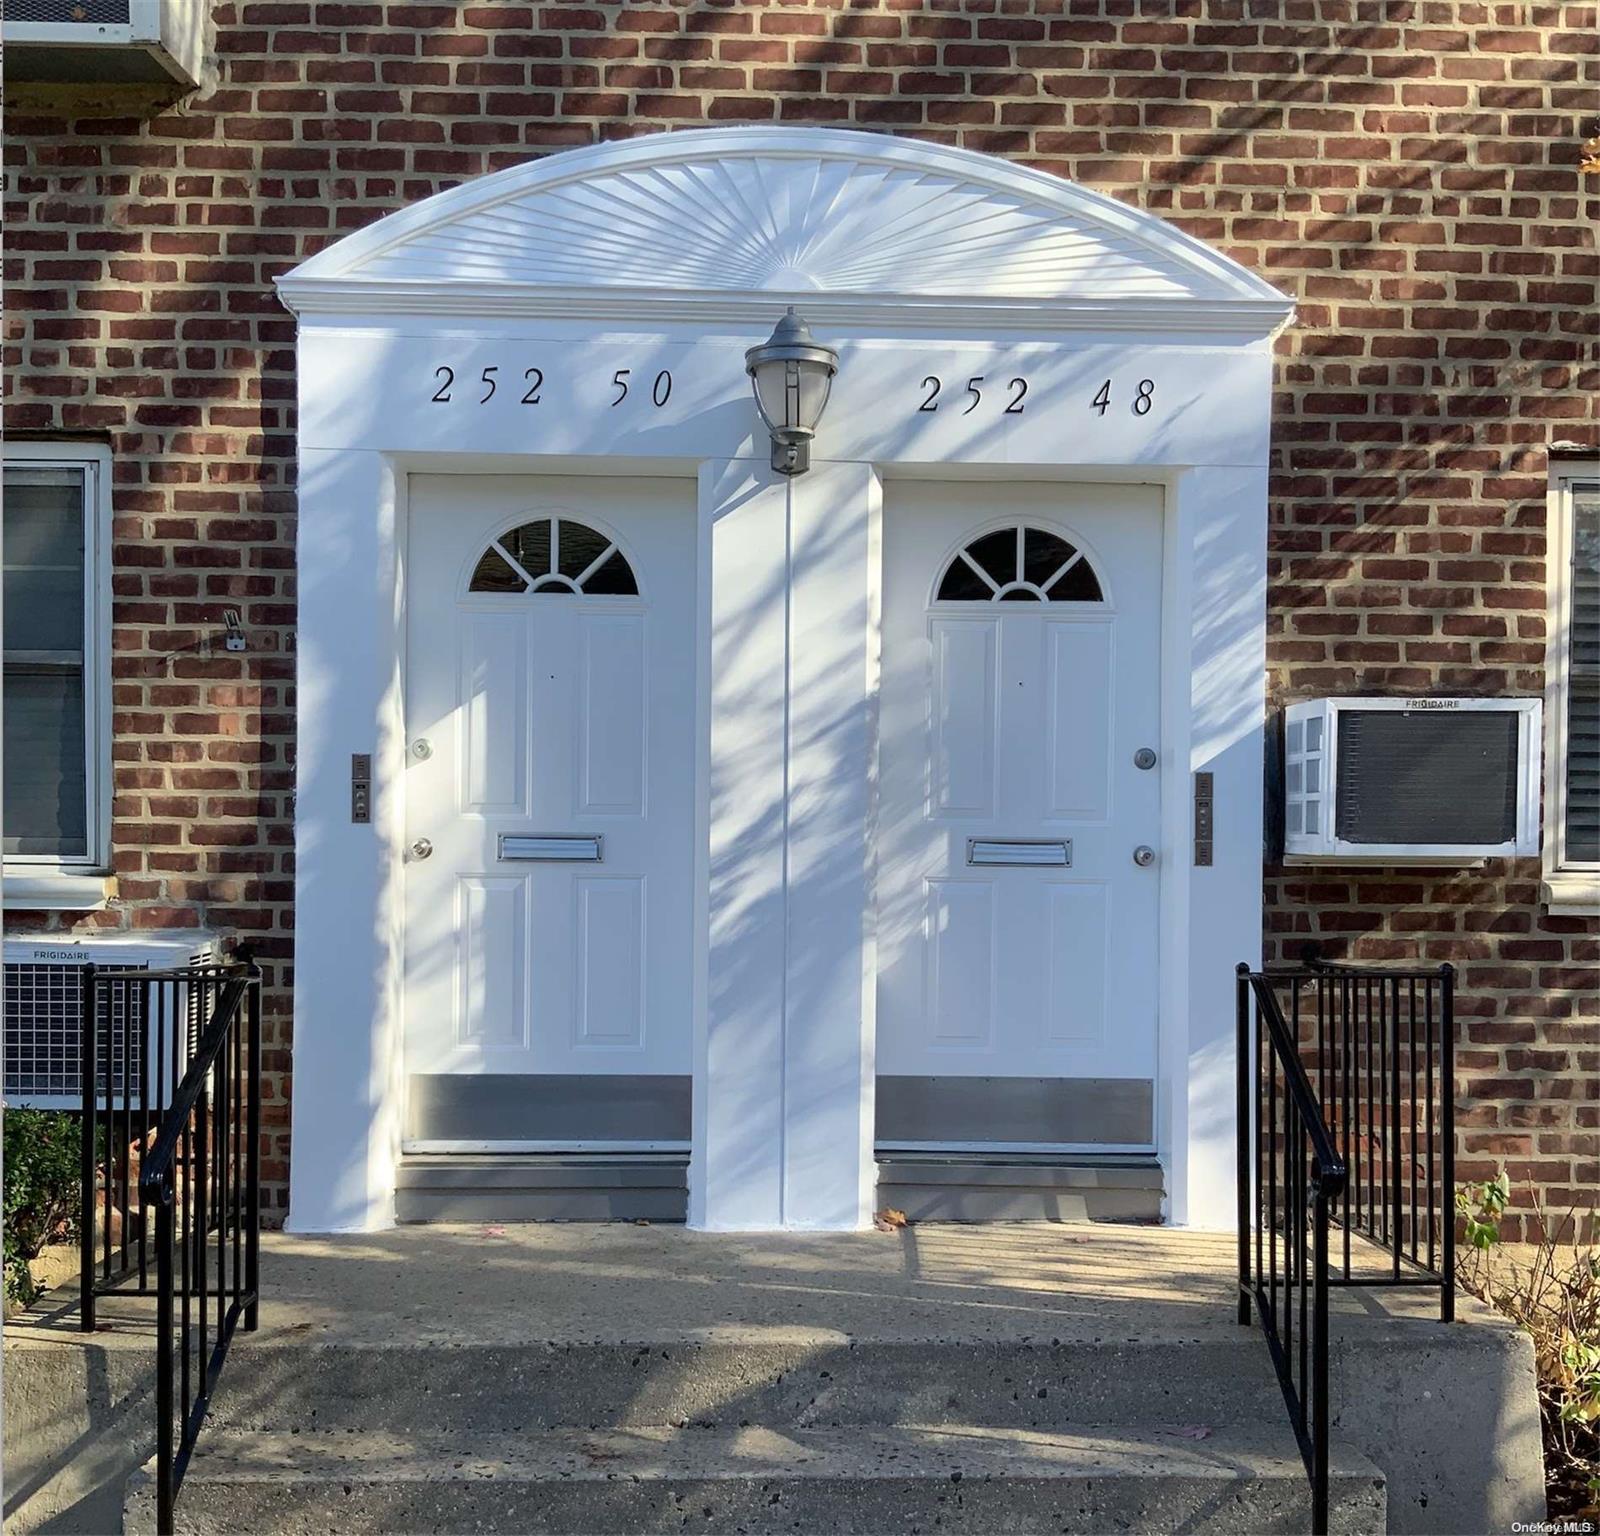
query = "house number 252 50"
{"x": 530, "y": 388}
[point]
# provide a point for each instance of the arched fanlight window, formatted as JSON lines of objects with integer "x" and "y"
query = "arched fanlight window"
{"x": 1019, "y": 565}
{"x": 554, "y": 554}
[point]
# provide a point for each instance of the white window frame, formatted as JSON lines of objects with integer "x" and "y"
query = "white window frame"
{"x": 37, "y": 881}
{"x": 1571, "y": 888}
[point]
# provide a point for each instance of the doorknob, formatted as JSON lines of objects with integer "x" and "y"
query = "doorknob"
{"x": 1144, "y": 855}
{"x": 422, "y": 849}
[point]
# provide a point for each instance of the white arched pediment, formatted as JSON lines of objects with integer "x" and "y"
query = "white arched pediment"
{"x": 723, "y": 222}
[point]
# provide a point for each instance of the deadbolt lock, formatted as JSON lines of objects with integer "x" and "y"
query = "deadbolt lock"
{"x": 1145, "y": 757}
{"x": 422, "y": 749}
{"x": 1144, "y": 855}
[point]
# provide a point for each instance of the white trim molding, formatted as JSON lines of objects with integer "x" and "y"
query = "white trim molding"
{"x": 36, "y": 882}
{"x": 1571, "y": 887}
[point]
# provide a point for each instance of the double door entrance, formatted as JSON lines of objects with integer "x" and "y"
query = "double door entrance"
{"x": 550, "y": 814}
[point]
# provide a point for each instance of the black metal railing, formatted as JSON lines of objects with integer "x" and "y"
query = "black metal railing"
{"x": 1290, "y": 1174}
{"x": 1381, "y": 1048}
{"x": 178, "y": 1113}
{"x": 1345, "y": 1081}
{"x": 138, "y": 1029}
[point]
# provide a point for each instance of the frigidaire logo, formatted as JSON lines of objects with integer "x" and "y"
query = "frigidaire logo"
{"x": 1433, "y": 704}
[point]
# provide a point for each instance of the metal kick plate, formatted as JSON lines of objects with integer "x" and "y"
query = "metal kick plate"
{"x": 552, "y": 850}
{"x": 1021, "y": 850}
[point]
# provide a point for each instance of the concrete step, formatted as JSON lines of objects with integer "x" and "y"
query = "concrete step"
{"x": 1220, "y": 1374}
{"x": 953, "y": 1478}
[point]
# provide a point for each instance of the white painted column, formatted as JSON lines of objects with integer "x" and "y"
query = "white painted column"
{"x": 1221, "y": 598}
{"x": 830, "y": 1176}
{"x": 736, "y": 1161}
{"x": 783, "y": 1071}
{"x": 344, "y": 1135}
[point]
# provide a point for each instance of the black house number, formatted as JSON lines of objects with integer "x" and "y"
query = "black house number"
{"x": 1014, "y": 393}
{"x": 531, "y": 389}
{"x": 1002, "y": 393}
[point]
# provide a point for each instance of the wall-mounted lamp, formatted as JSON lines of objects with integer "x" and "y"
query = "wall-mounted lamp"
{"x": 792, "y": 373}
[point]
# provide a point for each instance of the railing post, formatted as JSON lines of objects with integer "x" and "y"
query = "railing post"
{"x": 1447, "y": 1092}
{"x": 1242, "y": 1130}
{"x": 164, "y": 1405}
{"x": 252, "y": 1201}
{"x": 86, "y": 1175}
{"x": 1319, "y": 1356}
{"x": 1392, "y": 1045}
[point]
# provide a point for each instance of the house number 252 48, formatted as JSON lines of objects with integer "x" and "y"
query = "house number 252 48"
{"x": 1014, "y": 392}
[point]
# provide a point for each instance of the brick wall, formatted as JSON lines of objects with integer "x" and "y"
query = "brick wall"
{"x": 1407, "y": 170}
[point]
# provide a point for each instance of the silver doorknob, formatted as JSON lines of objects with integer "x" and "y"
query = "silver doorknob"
{"x": 1144, "y": 855}
{"x": 422, "y": 849}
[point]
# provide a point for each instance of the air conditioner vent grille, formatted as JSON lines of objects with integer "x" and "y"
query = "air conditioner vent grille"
{"x": 1427, "y": 777}
{"x": 93, "y": 13}
{"x": 44, "y": 1034}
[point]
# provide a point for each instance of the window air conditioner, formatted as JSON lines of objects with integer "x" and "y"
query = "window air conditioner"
{"x": 1411, "y": 781}
{"x": 105, "y": 42}
{"x": 44, "y": 1011}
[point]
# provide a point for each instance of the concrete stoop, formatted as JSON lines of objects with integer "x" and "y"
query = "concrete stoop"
{"x": 876, "y": 1481}
{"x": 628, "y": 1379}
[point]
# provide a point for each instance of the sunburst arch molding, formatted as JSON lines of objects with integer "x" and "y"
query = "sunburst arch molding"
{"x": 724, "y": 223}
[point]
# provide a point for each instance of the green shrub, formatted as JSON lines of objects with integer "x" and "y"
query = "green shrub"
{"x": 42, "y": 1162}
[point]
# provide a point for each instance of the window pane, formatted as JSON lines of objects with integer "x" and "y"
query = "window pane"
{"x": 45, "y": 764}
{"x": 1586, "y": 577}
{"x": 613, "y": 579}
{"x": 581, "y": 546}
{"x": 492, "y": 574}
{"x": 996, "y": 553}
{"x": 530, "y": 547}
{"x": 44, "y": 559}
{"x": 1583, "y": 693}
{"x": 1043, "y": 554}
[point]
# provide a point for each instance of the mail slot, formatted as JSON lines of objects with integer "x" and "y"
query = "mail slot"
{"x": 552, "y": 850}
{"x": 994, "y": 850}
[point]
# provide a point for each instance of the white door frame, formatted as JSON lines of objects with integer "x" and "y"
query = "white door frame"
{"x": 787, "y": 601}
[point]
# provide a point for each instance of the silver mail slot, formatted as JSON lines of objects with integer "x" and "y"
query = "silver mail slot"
{"x": 1018, "y": 850}
{"x": 552, "y": 850}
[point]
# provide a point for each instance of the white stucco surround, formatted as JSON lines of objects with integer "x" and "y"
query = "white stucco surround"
{"x": 672, "y": 254}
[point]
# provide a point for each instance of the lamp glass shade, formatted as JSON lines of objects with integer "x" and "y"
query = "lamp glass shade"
{"x": 792, "y": 393}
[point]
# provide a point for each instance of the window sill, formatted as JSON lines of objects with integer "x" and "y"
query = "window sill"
{"x": 1572, "y": 892}
{"x": 55, "y": 891}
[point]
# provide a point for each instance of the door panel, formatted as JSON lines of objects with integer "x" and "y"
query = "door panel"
{"x": 554, "y": 712}
{"x": 1009, "y": 718}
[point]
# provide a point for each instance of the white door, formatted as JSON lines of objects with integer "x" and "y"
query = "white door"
{"x": 1020, "y": 708}
{"x": 549, "y": 811}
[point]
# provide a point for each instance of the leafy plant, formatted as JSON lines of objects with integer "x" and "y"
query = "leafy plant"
{"x": 1481, "y": 1206}
{"x": 1553, "y": 1294}
{"x": 42, "y": 1151}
